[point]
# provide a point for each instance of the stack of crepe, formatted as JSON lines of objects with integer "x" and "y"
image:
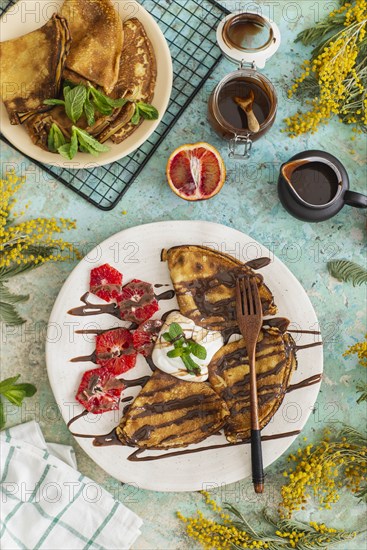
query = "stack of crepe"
{"x": 86, "y": 42}
{"x": 31, "y": 68}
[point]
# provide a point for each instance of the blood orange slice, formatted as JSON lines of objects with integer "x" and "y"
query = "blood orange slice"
{"x": 196, "y": 172}
{"x": 100, "y": 390}
{"x": 114, "y": 349}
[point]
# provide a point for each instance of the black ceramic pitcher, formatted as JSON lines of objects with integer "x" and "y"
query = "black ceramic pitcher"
{"x": 314, "y": 186}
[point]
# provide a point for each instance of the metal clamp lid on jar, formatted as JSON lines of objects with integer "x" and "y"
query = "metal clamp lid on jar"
{"x": 249, "y": 40}
{"x": 242, "y": 45}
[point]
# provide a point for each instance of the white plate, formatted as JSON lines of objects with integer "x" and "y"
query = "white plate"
{"x": 136, "y": 253}
{"x": 28, "y": 15}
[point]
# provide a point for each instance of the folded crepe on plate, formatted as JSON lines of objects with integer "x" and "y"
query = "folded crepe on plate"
{"x": 205, "y": 284}
{"x": 137, "y": 78}
{"x": 171, "y": 413}
{"x": 229, "y": 377}
{"x": 97, "y": 40}
{"x": 31, "y": 68}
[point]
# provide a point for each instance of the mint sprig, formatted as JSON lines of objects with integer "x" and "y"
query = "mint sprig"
{"x": 144, "y": 110}
{"x": 184, "y": 347}
{"x": 85, "y": 99}
{"x": 81, "y": 140}
{"x": 55, "y": 138}
{"x": 14, "y": 393}
{"x": 80, "y": 99}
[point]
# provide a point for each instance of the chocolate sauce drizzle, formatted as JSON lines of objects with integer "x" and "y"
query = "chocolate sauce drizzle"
{"x": 84, "y": 358}
{"x": 167, "y": 295}
{"x": 315, "y": 379}
{"x": 112, "y": 309}
{"x": 135, "y": 456}
{"x": 228, "y": 279}
{"x": 199, "y": 288}
{"x": 312, "y": 345}
{"x": 106, "y": 440}
{"x": 72, "y": 420}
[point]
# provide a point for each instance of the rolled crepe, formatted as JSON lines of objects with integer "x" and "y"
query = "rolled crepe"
{"x": 31, "y": 68}
{"x": 137, "y": 77}
{"x": 97, "y": 40}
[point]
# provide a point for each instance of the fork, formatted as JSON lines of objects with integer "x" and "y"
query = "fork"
{"x": 249, "y": 318}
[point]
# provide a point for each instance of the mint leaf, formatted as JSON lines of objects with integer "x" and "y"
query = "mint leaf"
{"x": 197, "y": 350}
{"x": 14, "y": 395}
{"x": 175, "y": 330}
{"x": 116, "y": 102}
{"x": 147, "y": 111}
{"x": 136, "y": 116}
{"x": 101, "y": 102}
{"x": 89, "y": 111}
{"x": 2, "y": 416}
{"x": 74, "y": 102}
{"x": 191, "y": 366}
{"x": 89, "y": 142}
{"x": 106, "y": 101}
{"x": 166, "y": 337}
{"x": 65, "y": 152}
{"x": 73, "y": 144}
{"x": 68, "y": 84}
{"x": 54, "y": 102}
{"x": 8, "y": 383}
{"x": 177, "y": 352}
{"x": 179, "y": 343}
{"x": 55, "y": 138}
{"x": 28, "y": 389}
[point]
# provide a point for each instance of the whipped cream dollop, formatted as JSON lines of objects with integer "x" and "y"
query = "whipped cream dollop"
{"x": 211, "y": 340}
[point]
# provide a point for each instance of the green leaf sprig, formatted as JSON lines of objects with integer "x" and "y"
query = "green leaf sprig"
{"x": 8, "y": 313}
{"x": 80, "y": 99}
{"x": 80, "y": 140}
{"x": 345, "y": 270}
{"x": 184, "y": 348}
{"x": 87, "y": 99}
{"x": 14, "y": 393}
{"x": 144, "y": 110}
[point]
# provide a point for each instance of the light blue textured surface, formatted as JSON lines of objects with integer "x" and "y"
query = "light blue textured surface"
{"x": 248, "y": 202}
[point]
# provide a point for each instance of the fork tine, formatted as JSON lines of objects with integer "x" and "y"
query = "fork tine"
{"x": 255, "y": 296}
{"x": 244, "y": 295}
{"x": 239, "y": 301}
{"x": 249, "y": 296}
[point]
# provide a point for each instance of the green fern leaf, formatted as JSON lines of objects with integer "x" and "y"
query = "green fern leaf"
{"x": 9, "y": 315}
{"x": 362, "y": 390}
{"x": 7, "y": 297}
{"x": 345, "y": 270}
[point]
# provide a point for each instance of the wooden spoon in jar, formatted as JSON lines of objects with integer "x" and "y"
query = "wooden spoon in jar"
{"x": 246, "y": 104}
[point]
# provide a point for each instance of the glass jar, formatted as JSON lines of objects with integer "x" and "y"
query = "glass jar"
{"x": 247, "y": 39}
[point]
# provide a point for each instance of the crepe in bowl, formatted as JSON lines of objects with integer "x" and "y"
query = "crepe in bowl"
{"x": 229, "y": 377}
{"x": 38, "y": 126}
{"x": 97, "y": 40}
{"x": 31, "y": 68}
{"x": 136, "y": 78}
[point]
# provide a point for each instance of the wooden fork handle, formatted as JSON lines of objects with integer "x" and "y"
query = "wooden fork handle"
{"x": 257, "y": 461}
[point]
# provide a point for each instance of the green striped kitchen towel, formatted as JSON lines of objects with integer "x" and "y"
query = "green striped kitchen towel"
{"x": 47, "y": 504}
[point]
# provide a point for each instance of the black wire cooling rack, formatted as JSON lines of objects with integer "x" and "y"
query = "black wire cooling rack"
{"x": 190, "y": 29}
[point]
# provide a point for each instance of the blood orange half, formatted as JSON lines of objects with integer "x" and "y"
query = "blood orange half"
{"x": 196, "y": 171}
